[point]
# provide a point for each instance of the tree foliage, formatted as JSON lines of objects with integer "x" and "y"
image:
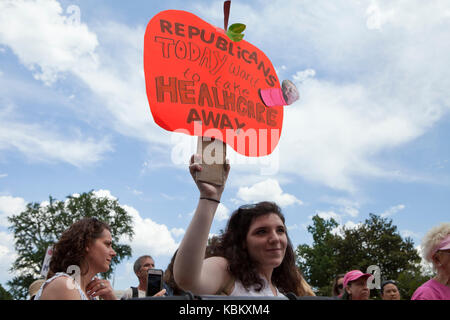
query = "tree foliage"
{"x": 4, "y": 295}
{"x": 41, "y": 225}
{"x": 337, "y": 249}
{"x": 318, "y": 261}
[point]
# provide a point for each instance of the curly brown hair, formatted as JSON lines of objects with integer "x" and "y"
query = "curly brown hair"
{"x": 169, "y": 279}
{"x": 334, "y": 286}
{"x": 71, "y": 247}
{"x": 230, "y": 245}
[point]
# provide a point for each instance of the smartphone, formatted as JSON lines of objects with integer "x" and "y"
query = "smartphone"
{"x": 154, "y": 281}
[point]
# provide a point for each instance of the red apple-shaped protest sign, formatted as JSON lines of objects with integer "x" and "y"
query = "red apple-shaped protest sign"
{"x": 194, "y": 73}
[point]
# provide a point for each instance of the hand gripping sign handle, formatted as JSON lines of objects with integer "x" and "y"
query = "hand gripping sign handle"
{"x": 213, "y": 154}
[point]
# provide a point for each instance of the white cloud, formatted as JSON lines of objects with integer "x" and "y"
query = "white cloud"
{"x": 345, "y": 206}
{"x": 7, "y": 256}
{"x": 302, "y": 76}
{"x": 425, "y": 266}
{"x": 129, "y": 268}
{"x": 103, "y": 194}
{"x": 150, "y": 237}
{"x": 177, "y": 232}
{"x": 222, "y": 213}
{"x": 267, "y": 190}
{"x": 356, "y": 96}
{"x": 329, "y": 215}
{"x": 10, "y": 206}
{"x": 352, "y": 225}
{"x": 3, "y": 175}
{"x": 293, "y": 227}
{"x": 409, "y": 233}
{"x": 339, "y": 230}
{"x": 348, "y": 226}
{"x": 48, "y": 43}
{"x": 392, "y": 210}
{"x": 351, "y": 211}
{"x": 39, "y": 143}
{"x": 376, "y": 17}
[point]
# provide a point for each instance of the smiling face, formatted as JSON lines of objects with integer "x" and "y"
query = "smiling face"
{"x": 266, "y": 240}
{"x": 100, "y": 252}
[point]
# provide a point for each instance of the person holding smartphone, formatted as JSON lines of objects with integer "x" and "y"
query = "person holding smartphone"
{"x": 253, "y": 257}
{"x": 141, "y": 267}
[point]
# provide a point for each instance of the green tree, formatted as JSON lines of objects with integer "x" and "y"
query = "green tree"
{"x": 41, "y": 225}
{"x": 374, "y": 242}
{"x": 408, "y": 281}
{"x": 318, "y": 261}
{"x": 4, "y": 295}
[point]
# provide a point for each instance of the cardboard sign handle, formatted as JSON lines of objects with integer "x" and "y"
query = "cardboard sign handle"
{"x": 213, "y": 154}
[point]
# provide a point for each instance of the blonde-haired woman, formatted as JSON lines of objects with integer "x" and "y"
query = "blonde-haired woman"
{"x": 436, "y": 249}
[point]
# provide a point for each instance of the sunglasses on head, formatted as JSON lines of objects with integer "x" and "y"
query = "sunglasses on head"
{"x": 247, "y": 207}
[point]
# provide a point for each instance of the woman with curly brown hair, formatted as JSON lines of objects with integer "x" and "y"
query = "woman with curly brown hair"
{"x": 86, "y": 248}
{"x": 253, "y": 257}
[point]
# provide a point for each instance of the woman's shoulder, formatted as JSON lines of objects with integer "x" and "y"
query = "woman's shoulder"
{"x": 219, "y": 267}
{"x": 61, "y": 287}
{"x": 426, "y": 291}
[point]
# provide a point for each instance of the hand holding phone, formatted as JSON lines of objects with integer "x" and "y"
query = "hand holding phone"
{"x": 154, "y": 281}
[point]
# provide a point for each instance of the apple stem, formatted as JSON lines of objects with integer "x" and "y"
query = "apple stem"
{"x": 226, "y": 13}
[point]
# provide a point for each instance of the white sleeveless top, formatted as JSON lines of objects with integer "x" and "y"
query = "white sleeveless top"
{"x": 57, "y": 275}
{"x": 266, "y": 291}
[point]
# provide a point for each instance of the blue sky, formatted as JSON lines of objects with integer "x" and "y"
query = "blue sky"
{"x": 369, "y": 134}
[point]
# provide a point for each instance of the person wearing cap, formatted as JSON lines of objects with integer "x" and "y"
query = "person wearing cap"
{"x": 34, "y": 287}
{"x": 389, "y": 290}
{"x": 355, "y": 285}
{"x": 436, "y": 250}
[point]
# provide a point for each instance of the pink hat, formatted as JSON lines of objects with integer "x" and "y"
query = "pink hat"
{"x": 443, "y": 245}
{"x": 273, "y": 97}
{"x": 354, "y": 275}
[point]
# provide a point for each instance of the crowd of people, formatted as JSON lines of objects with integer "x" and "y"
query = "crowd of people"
{"x": 252, "y": 257}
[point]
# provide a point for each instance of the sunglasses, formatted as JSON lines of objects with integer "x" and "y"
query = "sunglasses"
{"x": 246, "y": 207}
